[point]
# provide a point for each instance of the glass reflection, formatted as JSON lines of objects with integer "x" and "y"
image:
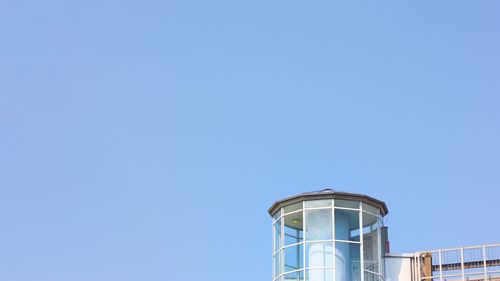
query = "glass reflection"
{"x": 373, "y": 277}
{"x": 346, "y": 225}
{"x": 326, "y": 240}
{"x": 276, "y": 264}
{"x": 324, "y": 274}
{"x": 294, "y": 258}
{"x": 371, "y": 246}
{"x": 319, "y": 225}
{"x": 318, "y": 203}
{"x": 292, "y": 208}
{"x": 293, "y": 228}
{"x": 295, "y": 276}
{"x": 277, "y": 235}
{"x": 319, "y": 254}
{"x": 347, "y": 261}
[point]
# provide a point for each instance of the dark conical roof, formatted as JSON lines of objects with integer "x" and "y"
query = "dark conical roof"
{"x": 329, "y": 193}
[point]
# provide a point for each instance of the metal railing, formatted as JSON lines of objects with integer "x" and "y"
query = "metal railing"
{"x": 465, "y": 263}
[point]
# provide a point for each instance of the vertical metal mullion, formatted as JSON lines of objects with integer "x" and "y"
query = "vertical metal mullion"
{"x": 361, "y": 245}
{"x": 462, "y": 262}
{"x": 282, "y": 244}
{"x": 304, "y": 236}
{"x": 333, "y": 243}
{"x": 440, "y": 266}
{"x": 274, "y": 249}
{"x": 297, "y": 247}
{"x": 484, "y": 261}
{"x": 379, "y": 245}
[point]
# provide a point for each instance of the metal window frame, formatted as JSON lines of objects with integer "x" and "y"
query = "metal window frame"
{"x": 279, "y": 252}
{"x": 361, "y": 240}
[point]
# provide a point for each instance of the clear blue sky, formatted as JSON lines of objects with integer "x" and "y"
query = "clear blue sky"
{"x": 145, "y": 140}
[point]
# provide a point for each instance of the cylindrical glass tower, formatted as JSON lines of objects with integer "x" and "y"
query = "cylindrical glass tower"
{"x": 327, "y": 236}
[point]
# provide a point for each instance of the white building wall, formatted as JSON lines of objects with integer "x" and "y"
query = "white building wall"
{"x": 398, "y": 268}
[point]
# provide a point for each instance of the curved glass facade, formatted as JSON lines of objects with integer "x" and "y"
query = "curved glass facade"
{"x": 327, "y": 240}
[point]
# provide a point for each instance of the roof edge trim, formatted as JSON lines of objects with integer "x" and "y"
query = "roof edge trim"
{"x": 329, "y": 194}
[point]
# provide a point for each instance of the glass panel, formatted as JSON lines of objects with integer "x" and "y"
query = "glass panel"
{"x": 277, "y": 264}
{"x": 474, "y": 277}
{"x": 293, "y": 228}
{"x": 276, "y": 267}
{"x": 319, "y": 225}
{"x": 453, "y": 278}
{"x": 318, "y": 203}
{"x": 294, "y": 257}
{"x": 277, "y": 235}
{"x": 354, "y": 235}
{"x": 295, "y": 276}
{"x": 276, "y": 215}
{"x": 346, "y": 225}
{"x": 371, "y": 247}
{"x": 325, "y": 274}
{"x": 372, "y": 277}
{"x": 493, "y": 276}
{"x": 493, "y": 253}
{"x": 452, "y": 257}
{"x": 346, "y": 204}
{"x": 347, "y": 261}
{"x": 319, "y": 254}
{"x": 292, "y": 208}
{"x": 370, "y": 208}
{"x": 491, "y": 269}
{"x": 474, "y": 257}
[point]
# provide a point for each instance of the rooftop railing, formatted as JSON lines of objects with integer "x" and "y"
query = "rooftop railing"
{"x": 455, "y": 264}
